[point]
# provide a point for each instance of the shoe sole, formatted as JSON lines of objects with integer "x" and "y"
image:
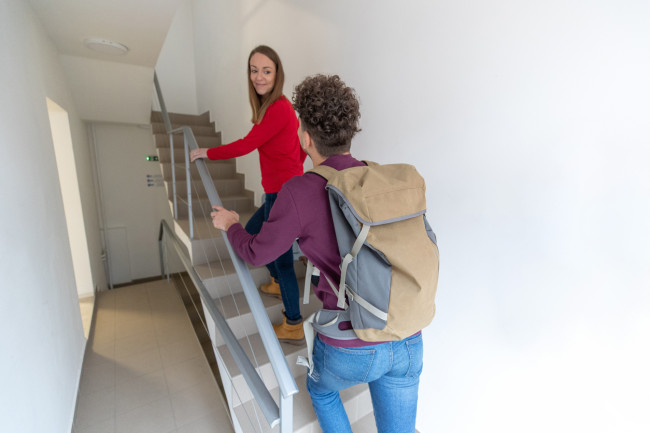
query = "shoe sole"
{"x": 271, "y": 295}
{"x": 291, "y": 341}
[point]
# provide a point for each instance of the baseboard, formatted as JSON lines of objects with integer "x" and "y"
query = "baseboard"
{"x": 138, "y": 281}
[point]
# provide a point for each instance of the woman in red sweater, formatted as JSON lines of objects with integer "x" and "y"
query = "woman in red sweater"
{"x": 274, "y": 135}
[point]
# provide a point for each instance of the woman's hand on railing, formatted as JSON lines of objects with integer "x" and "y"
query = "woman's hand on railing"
{"x": 198, "y": 153}
{"x": 223, "y": 218}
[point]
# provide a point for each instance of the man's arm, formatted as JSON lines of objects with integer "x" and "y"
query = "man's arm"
{"x": 275, "y": 237}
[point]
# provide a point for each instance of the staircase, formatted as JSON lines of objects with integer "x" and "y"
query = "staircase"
{"x": 211, "y": 260}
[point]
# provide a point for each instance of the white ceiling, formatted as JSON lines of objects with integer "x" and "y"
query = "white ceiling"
{"x": 141, "y": 25}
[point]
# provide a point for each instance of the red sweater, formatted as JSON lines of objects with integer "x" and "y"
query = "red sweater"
{"x": 276, "y": 139}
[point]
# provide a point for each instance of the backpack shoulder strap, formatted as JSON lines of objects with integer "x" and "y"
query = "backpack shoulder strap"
{"x": 324, "y": 171}
{"x": 328, "y": 172}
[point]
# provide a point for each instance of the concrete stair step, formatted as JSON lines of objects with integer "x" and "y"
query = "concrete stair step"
{"x": 236, "y": 310}
{"x": 188, "y": 119}
{"x": 164, "y": 155}
{"x": 201, "y": 207}
{"x": 225, "y": 187}
{"x": 240, "y": 203}
{"x": 251, "y": 342}
{"x": 367, "y": 425}
{"x": 205, "y": 130}
{"x": 220, "y": 278}
{"x": 209, "y": 245}
{"x": 217, "y": 169}
{"x": 356, "y": 401}
{"x": 161, "y": 140}
{"x": 203, "y": 228}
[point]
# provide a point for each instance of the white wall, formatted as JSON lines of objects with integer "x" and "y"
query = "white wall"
{"x": 529, "y": 122}
{"x": 41, "y": 334}
{"x": 67, "y": 171}
{"x": 107, "y": 91}
{"x": 175, "y": 67}
{"x": 221, "y": 78}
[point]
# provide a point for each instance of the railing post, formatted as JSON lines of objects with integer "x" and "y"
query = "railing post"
{"x": 173, "y": 163}
{"x": 160, "y": 251}
{"x": 188, "y": 180}
{"x": 286, "y": 414}
{"x": 165, "y": 249}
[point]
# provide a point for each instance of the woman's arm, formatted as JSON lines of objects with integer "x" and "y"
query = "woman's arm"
{"x": 274, "y": 120}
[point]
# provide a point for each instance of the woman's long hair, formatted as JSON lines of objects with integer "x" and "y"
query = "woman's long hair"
{"x": 259, "y": 104}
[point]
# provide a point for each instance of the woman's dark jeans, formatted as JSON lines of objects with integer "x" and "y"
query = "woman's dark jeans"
{"x": 281, "y": 268}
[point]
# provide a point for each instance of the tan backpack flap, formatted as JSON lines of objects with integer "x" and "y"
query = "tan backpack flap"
{"x": 379, "y": 193}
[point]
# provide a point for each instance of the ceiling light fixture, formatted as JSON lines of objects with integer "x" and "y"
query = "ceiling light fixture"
{"x": 106, "y": 46}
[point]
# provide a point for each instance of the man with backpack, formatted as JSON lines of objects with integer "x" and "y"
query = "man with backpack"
{"x": 389, "y": 357}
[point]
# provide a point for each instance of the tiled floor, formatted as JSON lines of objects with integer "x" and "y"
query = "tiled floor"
{"x": 144, "y": 370}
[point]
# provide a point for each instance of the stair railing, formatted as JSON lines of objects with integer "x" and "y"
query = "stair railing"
{"x": 287, "y": 384}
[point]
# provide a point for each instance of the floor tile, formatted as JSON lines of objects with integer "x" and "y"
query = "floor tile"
{"x": 165, "y": 320}
{"x": 134, "y": 344}
{"x": 195, "y": 402}
{"x": 105, "y": 300}
{"x": 188, "y": 373}
{"x": 155, "y": 417}
{"x": 106, "y": 426}
{"x": 98, "y": 353}
{"x": 95, "y": 407}
{"x": 133, "y": 324}
{"x": 180, "y": 332}
{"x": 180, "y": 351}
{"x": 97, "y": 377}
{"x": 140, "y": 392}
{"x": 138, "y": 365}
{"x": 211, "y": 423}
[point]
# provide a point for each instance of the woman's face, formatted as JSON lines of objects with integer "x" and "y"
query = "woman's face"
{"x": 262, "y": 73}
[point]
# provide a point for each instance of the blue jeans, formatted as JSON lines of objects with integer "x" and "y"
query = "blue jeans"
{"x": 392, "y": 371}
{"x": 281, "y": 268}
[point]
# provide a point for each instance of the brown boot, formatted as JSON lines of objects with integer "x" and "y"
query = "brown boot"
{"x": 271, "y": 289}
{"x": 292, "y": 334}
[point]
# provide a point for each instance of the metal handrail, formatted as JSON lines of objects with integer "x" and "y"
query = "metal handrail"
{"x": 286, "y": 382}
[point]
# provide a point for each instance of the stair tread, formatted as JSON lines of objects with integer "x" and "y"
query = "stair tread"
{"x": 198, "y": 129}
{"x": 234, "y": 305}
{"x": 253, "y": 345}
{"x": 367, "y": 425}
{"x": 218, "y": 268}
{"x": 181, "y": 190}
{"x": 195, "y": 119}
{"x": 356, "y": 401}
{"x": 203, "y": 228}
{"x": 161, "y": 140}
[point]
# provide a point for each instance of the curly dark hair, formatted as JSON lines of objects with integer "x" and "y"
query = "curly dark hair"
{"x": 329, "y": 112}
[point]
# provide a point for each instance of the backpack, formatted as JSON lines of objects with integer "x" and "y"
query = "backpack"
{"x": 390, "y": 262}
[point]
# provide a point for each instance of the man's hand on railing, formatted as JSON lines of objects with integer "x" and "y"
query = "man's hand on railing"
{"x": 223, "y": 218}
{"x": 198, "y": 153}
